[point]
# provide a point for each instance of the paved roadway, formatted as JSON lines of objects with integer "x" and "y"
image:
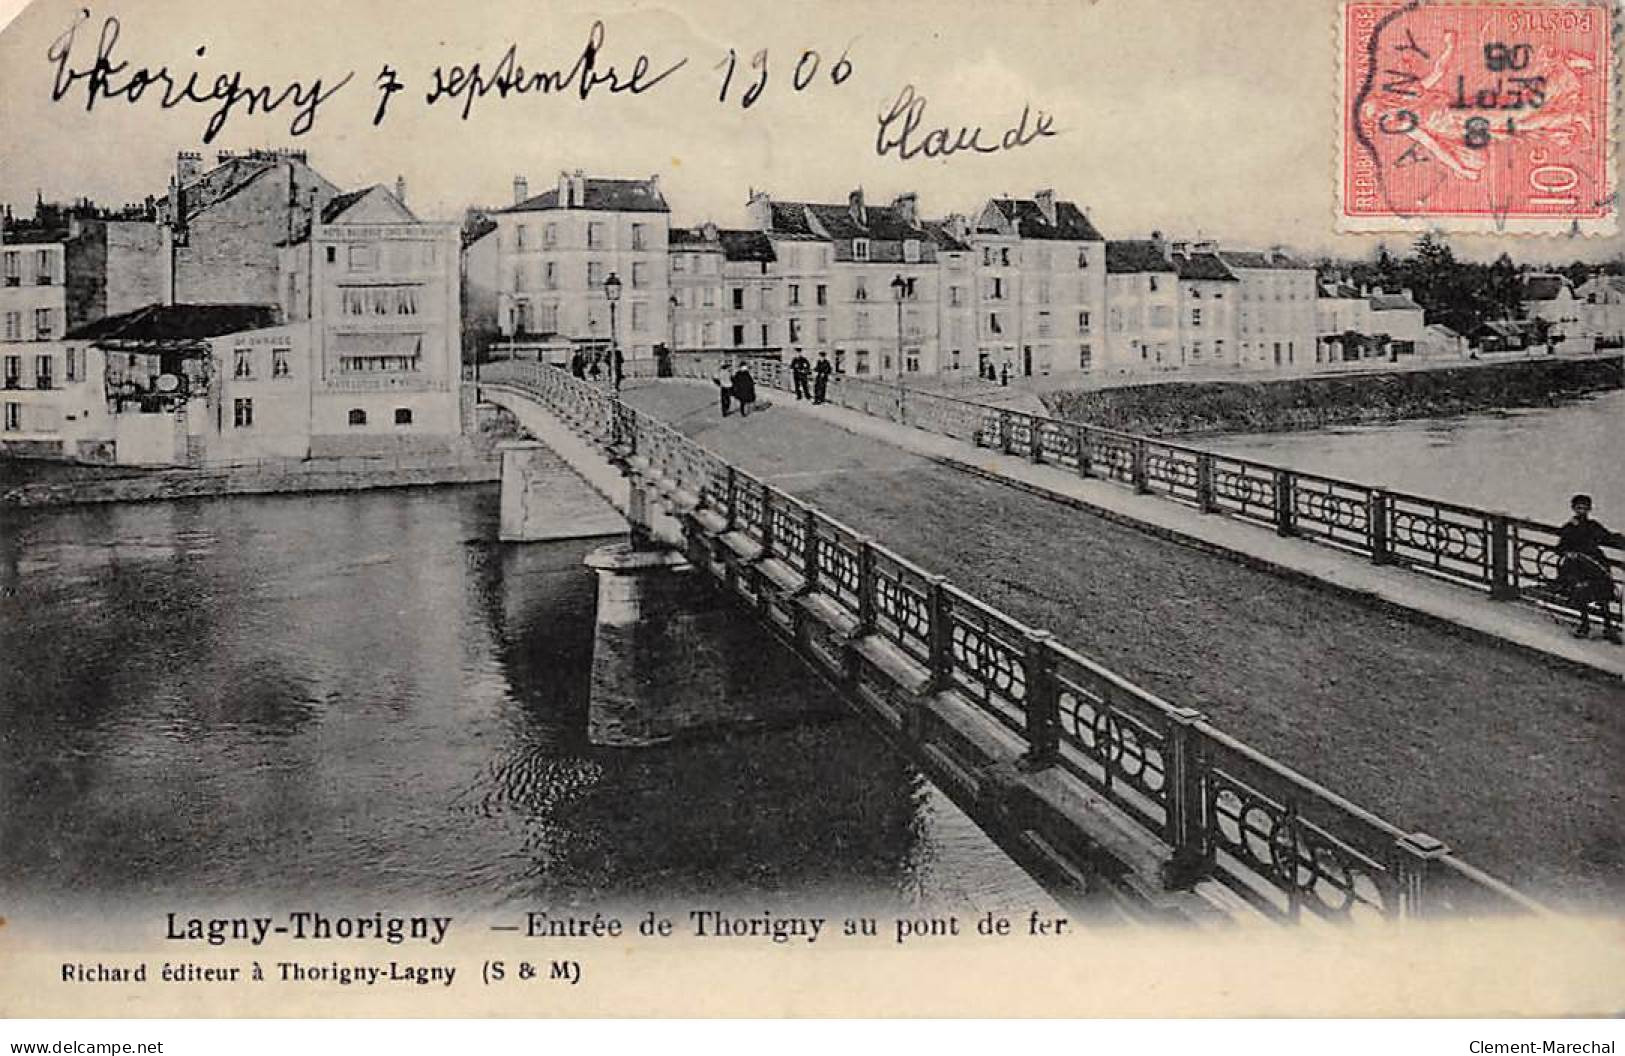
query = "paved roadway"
{"x": 1513, "y": 761}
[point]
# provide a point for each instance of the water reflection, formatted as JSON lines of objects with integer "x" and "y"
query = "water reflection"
{"x": 331, "y": 696}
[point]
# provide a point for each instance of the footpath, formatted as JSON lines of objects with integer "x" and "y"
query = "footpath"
{"x": 1406, "y": 696}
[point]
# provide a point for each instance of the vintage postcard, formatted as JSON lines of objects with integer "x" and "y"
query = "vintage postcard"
{"x": 915, "y": 509}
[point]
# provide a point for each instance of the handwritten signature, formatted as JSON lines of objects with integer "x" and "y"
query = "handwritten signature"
{"x": 226, "y": 89}
{"x": 900, "y": 125}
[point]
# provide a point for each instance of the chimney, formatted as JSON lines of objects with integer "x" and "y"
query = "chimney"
{"x": 1158, "y": 241}
{"x": 708, "y": 231}
{"x": 400, "y": 189}
{"x": 908, "y": 207}
{"x": 578, "y": 189}
{"x": 854, "y": 205}
{"x": 1046, "y": 203}
{"x": 759, "y": 207}
{"x": 521, "y": 190}
{"x": 188, "y": 166}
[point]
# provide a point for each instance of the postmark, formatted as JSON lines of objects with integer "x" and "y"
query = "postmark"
{"x": 1477, "y": 117}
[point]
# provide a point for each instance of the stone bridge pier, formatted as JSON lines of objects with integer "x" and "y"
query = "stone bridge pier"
{"x": 673, "y": 656}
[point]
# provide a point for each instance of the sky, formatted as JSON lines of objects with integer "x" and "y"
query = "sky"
{"x": 1199, "y": 118}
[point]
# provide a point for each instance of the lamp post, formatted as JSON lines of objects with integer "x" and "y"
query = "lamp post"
{"x": 899, "y": 287}
{"x": 612, "y": 293}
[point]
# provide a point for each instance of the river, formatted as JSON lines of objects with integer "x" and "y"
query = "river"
{"x": 365, "y": 696}
{"x": 1526, "y": 462}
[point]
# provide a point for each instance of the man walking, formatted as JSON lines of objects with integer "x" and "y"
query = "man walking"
{"x": 1582, "y": 568}
{"x": 821, "y": 373}
{"x": 801, "y": 373}
{"x": 744, "y": 388}
{"x": 618, "y": 366}
{"x": 724, "y": 378}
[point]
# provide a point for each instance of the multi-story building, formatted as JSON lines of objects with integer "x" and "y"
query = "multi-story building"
{"x": 1276, "y": 317}
{"x": 226, "y": 227}
{"x": 696, "y": 267}
{"x": 727, "y": 293}
{"x": 1550, "y": 299}
{"x": 380, "y": 292}
{"x": 32, "y": 321}
{"x": 1208, "y": 318}
{"x": 805, "y": 259}
{"x": 956, "y": 300}
{"x": 555, "y": 250}
{"x": 1342, "y": 322}
{"x": 1042, "y": 284}
{"x": 1398, "y": 323}
{"x": 1142, "y": 307}
{"x": 882, "y": 293}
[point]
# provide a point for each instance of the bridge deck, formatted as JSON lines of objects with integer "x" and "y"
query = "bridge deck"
{"x": 1514, "y": 760}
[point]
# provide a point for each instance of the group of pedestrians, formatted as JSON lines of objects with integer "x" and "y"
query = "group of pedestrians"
{"x": 802, "y": 371}
{"x": 736, "y": 385}
{"x": 590, "y": 367}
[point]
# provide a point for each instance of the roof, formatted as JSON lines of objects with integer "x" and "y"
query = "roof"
{"x": 605, "y": 195}
{"x": 1242, "y": 258}
{"x": 938, "y": 232}
{"x": 1029, "y": 220}
{"x": 1339, "y": 291}
{"x": 1126, "y": 256}
{"x": 1203, "y": 267}
{"x": 789, "y": 218}
{"x": 1393, "y": 302}
{"x": 881, "y": 222}
{"x": 1505, "y": 327}
{"x": 688, "y": 240}
{"x": 1544, "y": 287}
{"x": 177, "y": 323}
{"x": 747, "y": 245}
{"x": 341, "y": 202}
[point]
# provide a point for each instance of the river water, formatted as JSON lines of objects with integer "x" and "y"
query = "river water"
{"x": 1525, "y": 462}
{"x": 366, "y": 696}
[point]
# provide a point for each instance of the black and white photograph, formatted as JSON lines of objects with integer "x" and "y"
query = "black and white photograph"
{"x": 700, "y": 509}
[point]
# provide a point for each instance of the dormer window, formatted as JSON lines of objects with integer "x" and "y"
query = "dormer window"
{"x": 911, "y": 250}
{"x": 860, "y": 249}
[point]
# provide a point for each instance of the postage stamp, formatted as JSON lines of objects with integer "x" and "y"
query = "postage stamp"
{"x": 1477, "y": 117}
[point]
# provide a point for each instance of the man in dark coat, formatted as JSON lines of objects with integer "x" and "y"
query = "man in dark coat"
{"x": 801, "y": 373}
{"x": 744, "y": 389}
{"x": 1583, "y": 572}
{"x": 578, "y": 364}
{"x": 821, "y": 372}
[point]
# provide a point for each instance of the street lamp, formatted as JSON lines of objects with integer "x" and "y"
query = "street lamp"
{"x": 899, "y": 286}
{"x": 612, "y": 293}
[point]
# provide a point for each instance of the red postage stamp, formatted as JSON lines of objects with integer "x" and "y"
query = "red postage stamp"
{"x": 1477, "y": 117}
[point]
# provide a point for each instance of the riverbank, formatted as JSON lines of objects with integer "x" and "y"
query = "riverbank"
{"x": 1290, "y": 404}
{"x": 271, "y": 478}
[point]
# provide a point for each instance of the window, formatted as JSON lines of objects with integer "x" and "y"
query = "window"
{"x": 640, "y": 274}
{"x": 595, "y": 234}
{"x": 911, "y": 362}
{"x": 595, "y": 273}
{"x": 795, "y": 295}
{"x": 550, "y": 275}
{"x": 860, "y": 249}
{"x": 993, "y": 326}
{"x": 1086, "y": 356}
{"x": 42, "y": 372}
{"x": 821, "y": 295}
{"x": 1043, "y": 291}
{"x": 1083, "y": 262}
{"x": 765, "y": 335}
{"x": 1152, "y": 280}
{"x": 738, "y": 298}
{"x": 1196, "y": 317}
{"x": 679, "y": 262}
{"x": 987, "y": 256}
{"x": 766, "y": 295}
{"x": 14, "y": 372}
{"x": 823, "y": 330}
{"x": 996, "y": 289}
{"x": 42, "y": 267}
{"x": 710, "y": 296}
{"x": 243, "y": 367}
{"x": 380, "y": 300}
{"x": 13, "y": 272}
{"x": 14, "y": 326}
{"x": 708, "y": 333}
{"x": 332, "y": 254}
{"x": 242, "y": 413}
{"x": 640, "y": 320}
{"x": 860, "y": 324}
{"x": 279, "y": 363}
{"x": 1083, "y": 322}
{"x": 363, "y": 258}
{"x": 638, "y": 240}
{"x": 550, "y": 235}
{"x": 14, "y": 417}
{"x": 1218, "y": 349}
{"x": 862, "y": 358}
{"x": 358, "y": 416}
{"x": 1114, "y": 319}
{"x": 1043, "y": 324}
{"x": 43, "y": 329}
{"x": 739, "y": 335}
{"x": 795, "y": 330}
{"x": 911, "y": 250}
{"x": 521, "y": 238}
{"x": 860, "y": 289}
{"x": 403, "y": 416}
{"x": 1196, "y": 351}
{"x": 550, "y": 319}
{"x": 71, "y": 364}
{"x": 1004, "y": 256}
{"x": 954, "y": 296}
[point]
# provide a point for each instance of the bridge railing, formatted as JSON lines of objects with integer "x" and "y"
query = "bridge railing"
{"x": 1225, "y": 810}
{"x": 1505, "y": 557}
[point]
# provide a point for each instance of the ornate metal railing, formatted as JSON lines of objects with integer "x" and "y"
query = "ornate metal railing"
{"x": 1505, "y": 557}
{"x": 1224, "y": 810}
